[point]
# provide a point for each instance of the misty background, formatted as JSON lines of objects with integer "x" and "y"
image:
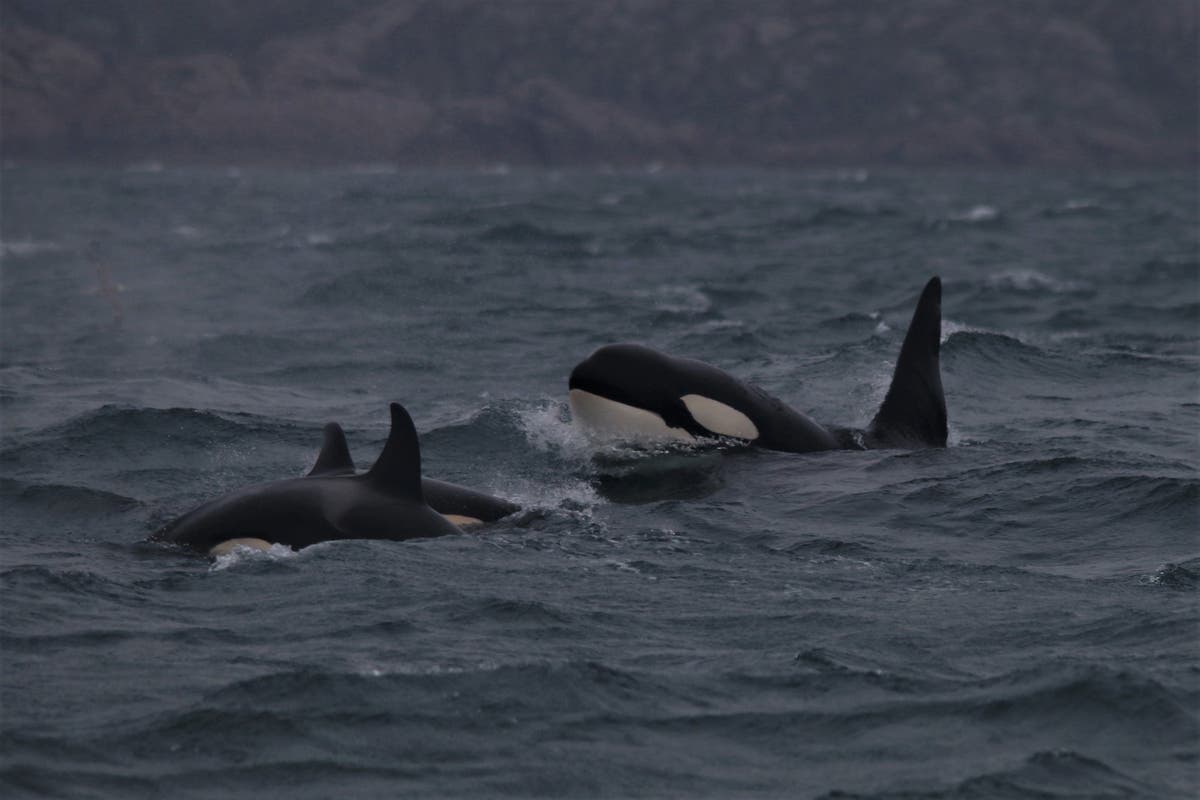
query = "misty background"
{"x": 1108, "y": 83}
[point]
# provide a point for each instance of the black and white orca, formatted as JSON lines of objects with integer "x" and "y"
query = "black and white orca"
{"x": 386, "y": 502}
{"x": 633, "y": 391}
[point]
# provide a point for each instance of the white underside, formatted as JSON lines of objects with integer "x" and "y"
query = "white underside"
{"x": 461, "y": 521}
{"x": 229, "y": 545}
{"x": 609, "y": 418}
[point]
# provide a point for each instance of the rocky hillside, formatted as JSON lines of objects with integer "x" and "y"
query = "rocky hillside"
{"x": 796, "y": 82}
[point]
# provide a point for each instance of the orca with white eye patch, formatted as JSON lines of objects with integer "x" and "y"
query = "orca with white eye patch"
{"x": 634, "y": 391}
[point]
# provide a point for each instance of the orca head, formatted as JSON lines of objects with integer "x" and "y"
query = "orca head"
{"x": 635, "y": 391}
{"x": 629, "y": 390}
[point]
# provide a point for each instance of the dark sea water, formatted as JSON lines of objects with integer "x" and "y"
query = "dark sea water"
{"x": 1013, "y": 616}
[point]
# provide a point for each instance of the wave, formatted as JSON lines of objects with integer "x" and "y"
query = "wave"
{"x": 677, "y": 300}
{"x": 528, "y": 234}
{"x": 1083, "y": 207}
{"x": 520, "y": 687}
{"x": 64, "y": 499}
{"x": 835, "y": 215}
{"x": 1169, "y": 270}
{"x": 40, "y": 582}
{"x": 1184, "y": 576}
{"x": 1047, "y": 774}
{"x": 491, "y": 610}
{"x": 1140, "y": 496}
{"x": 371, "y": 287}
{"x": 970, "y": 349}
{"x": 1033, "y": 281}
{"x": 978, "y": 216}
{"x": 112, "y": 422}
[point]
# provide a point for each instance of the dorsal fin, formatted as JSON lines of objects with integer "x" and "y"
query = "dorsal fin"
{"x": 334, "y": 458}
{"x": 914, "y": 410}
{"x": 398, "y": 469}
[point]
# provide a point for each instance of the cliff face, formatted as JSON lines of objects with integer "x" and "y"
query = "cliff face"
{"x": 1061, "y": 83}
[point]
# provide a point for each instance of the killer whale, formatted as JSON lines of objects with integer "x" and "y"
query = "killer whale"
{"x": 460, "y": 505}
{"x": 635, "y": 391}
{"x": 386, "y": 502}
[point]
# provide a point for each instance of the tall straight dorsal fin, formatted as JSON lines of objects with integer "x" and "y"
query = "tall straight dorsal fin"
{"x": 398, "y": 469}
{"x": 914, "y": 410}
{"x": 334, "y": 458}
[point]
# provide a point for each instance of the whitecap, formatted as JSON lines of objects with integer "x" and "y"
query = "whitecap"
{"x": 1031, "y": 280}
{"x": 950, "y": 327}
{"x": 978, "y": 214}
{"x": 27, "y": 247}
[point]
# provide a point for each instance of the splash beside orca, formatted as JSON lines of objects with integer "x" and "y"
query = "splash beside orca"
{"x": 630, "y": 390}
{"x": 389, "y": 501}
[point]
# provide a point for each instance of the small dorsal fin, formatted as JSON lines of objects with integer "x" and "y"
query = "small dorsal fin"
{"x": 914, "y": 410}
{"x": 398, "y": 469}
{"x": 334, "y": 458}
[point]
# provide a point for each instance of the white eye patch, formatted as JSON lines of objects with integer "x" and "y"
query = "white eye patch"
{"x": 719, "y": 418}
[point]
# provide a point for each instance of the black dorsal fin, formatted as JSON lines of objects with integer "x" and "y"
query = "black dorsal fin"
{"x": 914, "y": 411}
{"x": 334, "y": 458}
{"x": 398, "y": 470}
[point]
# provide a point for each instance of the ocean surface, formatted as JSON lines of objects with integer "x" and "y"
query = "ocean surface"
{"x": 1012, "y": 616}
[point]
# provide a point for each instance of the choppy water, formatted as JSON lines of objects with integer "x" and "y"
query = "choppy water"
{"x": 1013, "y": 616}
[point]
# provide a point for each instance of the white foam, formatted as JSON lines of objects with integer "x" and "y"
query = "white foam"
{"x": 950, "y": 327}
{"x": 548, "y": 429}
{"x": 241, "y": 554}
{"x": 1030, "y": 280}
{"x": 576, "y": 496}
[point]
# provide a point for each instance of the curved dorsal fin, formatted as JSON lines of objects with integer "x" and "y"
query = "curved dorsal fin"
{"x": 398, "y": 469}
{"x": 334, "y": 458}
{"x": 914, "y": 410}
